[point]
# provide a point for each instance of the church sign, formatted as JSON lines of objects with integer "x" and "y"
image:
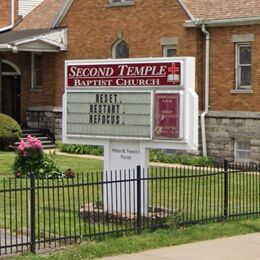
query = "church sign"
{"x": 130, "y": 106}
{"x": 140, "y": 74}
{"x": 109, "y": 114}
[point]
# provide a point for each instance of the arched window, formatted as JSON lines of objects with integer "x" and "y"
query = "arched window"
{"x": 9, "y": 68}
{"x": 120, "y": 50}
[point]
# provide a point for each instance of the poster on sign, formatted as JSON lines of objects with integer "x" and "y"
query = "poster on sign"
{"x": 167, "y": 116}
{"x": 130, "y": 106}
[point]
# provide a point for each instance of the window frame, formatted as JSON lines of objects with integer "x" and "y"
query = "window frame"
{"x": 33, "y": 70}
{"x": 238, "y": 66}
{"x": 236, "y": 151}
{"x": 111, "y": 3}
{"x": 168, "y": 47}
{"x": 114, "y": 48}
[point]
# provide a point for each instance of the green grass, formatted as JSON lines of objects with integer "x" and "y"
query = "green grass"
{"x": 78, "y": 165}
{"x": 191, "y": 198}
{"x": 57, "y": 207}
{"x": 6, "y": 161}
{"x": 47, "y": 201}
{"x": 157, "y": 239}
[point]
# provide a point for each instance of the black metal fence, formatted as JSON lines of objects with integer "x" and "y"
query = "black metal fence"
{"x": 37, "y": 213}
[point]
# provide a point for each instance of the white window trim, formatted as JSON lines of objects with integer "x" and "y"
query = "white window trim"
{"x": 121, "y": 3}
{"x": 33, "y": 54}
{"x": 237, "y": 66}
{"x": 241, "y": 150}
{"x": 168, "y": 47}
{"x": 114, "y": 47}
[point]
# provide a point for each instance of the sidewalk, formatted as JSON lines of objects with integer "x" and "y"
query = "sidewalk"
{"x": 246, "y": 247}
{"x": 95, "y": 157}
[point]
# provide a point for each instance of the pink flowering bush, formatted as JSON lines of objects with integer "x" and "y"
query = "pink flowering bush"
{"x": 30, "y": 147}
{"x": 30, "y": 159}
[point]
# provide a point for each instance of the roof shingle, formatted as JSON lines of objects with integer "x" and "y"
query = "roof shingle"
{"x": 223, "y": 9}
{"x": 42, "y": 16}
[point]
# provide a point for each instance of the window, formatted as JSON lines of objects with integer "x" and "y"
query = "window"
{"x": 120, "y": 2}
{"x": 243, "y": 66}
{"x": 169, "y": 51}
{"x": 36, "y": 71}
{"x": 120, "y": 50}
{"x": 242, "y": 150}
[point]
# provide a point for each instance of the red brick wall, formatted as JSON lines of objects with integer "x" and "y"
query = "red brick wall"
{"x": 30, "y": 97}
{"x": 222, "y": 70}
{"x": 93, "y": 28}
{"x": 5, "y": 18}
{"x": 5, "y": 13}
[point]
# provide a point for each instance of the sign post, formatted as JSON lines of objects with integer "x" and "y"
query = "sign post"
{"x": 130, "y": 106}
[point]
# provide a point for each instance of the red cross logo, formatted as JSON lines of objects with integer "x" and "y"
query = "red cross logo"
{"x": 174, "y": 69}
{"x": 174, "y": 76}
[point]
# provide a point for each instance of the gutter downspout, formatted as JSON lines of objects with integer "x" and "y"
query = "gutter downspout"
{"x": 206, "y": 102}
{"x": 12, "y": 18}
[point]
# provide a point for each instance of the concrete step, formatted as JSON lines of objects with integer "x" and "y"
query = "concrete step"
{"x": 47, "y": 142}
{"x": 31, "y": 130}
{"x": 50, "y": 146}
{"x": 41, "y": 138}
{"x": 24, "y": 135}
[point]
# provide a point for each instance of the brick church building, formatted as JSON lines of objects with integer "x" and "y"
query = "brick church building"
{"x": 37, "y": 36}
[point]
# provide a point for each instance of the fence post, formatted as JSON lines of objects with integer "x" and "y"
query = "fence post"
{"x": 32, "y": 213}
{"x": 226, "y": 189}
{"x": 139, "y": 206}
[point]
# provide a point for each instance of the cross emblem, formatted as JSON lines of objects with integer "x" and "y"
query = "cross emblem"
{"x": 173, "y": 76}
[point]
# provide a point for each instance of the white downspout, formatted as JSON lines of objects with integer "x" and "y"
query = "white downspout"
{"x": 12, "y": 13}
{"x": 206, "y": 106}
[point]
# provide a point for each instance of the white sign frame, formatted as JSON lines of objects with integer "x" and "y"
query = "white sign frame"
{"x": 187, "y": 141}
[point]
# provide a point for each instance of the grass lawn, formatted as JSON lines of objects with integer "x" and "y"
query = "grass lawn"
{"x": 194, "y": 198}
{"x": 63, "y": 162}
{"x": 157, "y": 239}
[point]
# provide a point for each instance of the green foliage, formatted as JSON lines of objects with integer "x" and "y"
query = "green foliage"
{"x": 155, "y": 155}
{"x": 76, "y": 164}
{"x": 81, "y": 149}
{"x": 38, "y": 163}
{"x": 151, "y": 240}
{"x": 179, "y": 158}
{"x": 9, "y": 131}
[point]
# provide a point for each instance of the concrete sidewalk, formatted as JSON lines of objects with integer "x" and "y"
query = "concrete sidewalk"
{"x": 246, "y": 247}
{"x": 101, "y": 158}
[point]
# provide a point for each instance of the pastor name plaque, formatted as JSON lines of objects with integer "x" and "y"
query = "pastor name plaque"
{"x": 167, "y": 116}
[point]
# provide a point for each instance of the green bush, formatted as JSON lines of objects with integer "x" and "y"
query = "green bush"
{"x": 40, "y": 164}
{"x": 155, "y": 155}
{"x": 9, "y": 131}
{"x": 30, "y": 159}
{"x": 81, "y": 149}
{"x": 179, "y": 158}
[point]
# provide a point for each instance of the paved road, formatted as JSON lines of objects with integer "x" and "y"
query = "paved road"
{"x": 246, "y": 247}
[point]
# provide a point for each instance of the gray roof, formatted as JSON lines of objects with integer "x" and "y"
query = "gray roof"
{"x": 13, "y": 36}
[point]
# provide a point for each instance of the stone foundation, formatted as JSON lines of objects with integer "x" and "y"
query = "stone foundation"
{"x": 224, "y": 128}
{"x": 45, "y": 118}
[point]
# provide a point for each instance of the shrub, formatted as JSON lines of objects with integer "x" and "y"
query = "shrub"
{"x": 9, "y": 131}
{"x": 30, "y": 159}
{"x": 180, "y": 158}
{"x": 81, "y": 149}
